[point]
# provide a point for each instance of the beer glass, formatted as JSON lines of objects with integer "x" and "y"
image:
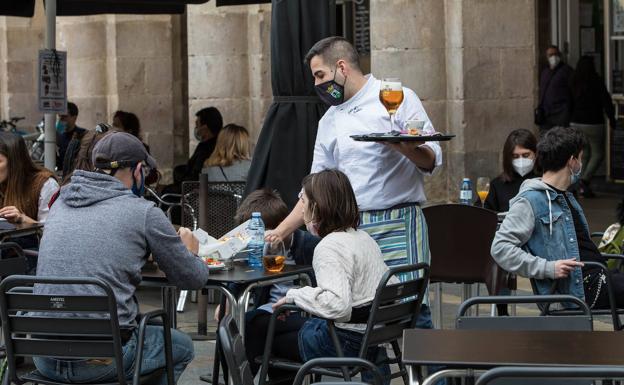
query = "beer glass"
{"x": 274, "y": 256}
{"x": 391, "y": 96}
{"x": 483, "y": 188}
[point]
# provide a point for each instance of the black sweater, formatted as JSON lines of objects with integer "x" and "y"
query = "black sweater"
{"x": 590, "y": 101}
{"x": 501, "y": 192}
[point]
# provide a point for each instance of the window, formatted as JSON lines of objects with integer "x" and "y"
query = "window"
{"x": 353, "y": 22}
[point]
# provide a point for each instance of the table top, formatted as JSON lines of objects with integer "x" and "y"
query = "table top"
{"x": 491, "y": 348}
{"x": 241, "y": 273}
{"x": 9, "y": 229}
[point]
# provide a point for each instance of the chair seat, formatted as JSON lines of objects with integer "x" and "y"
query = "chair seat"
{"x": 284, "y": 364}
{"x": 37, "y": 378}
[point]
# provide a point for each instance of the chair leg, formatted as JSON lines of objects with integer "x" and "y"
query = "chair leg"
{"x": 399, "y": 357}
{"x": 438, "y": 304}
{"x": 182, "y": 301}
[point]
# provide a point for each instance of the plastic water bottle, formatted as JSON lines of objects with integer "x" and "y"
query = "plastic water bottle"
{"x": 256, "y": 244}
{"x": 465, "y": 194}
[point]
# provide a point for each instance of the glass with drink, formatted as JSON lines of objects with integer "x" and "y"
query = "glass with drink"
{"x": 274, "y": 256}
{"x": 483, "y": 188}
{"x": 391, "y": 96}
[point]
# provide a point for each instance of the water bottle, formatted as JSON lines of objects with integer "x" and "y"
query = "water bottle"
{"x": 465, "y": 194}
{"x": 256, "y": 244}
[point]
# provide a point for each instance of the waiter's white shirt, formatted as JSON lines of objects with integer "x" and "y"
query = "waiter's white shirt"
{"x": 381, "y": 177}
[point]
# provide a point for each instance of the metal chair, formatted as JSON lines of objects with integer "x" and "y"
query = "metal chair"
{"x": 69, "y": 327}
{"x": 234, "y": 351}
{"x": 190, "y": 204}
{"x": 466, "y": 259}
{"x": 218, "y": 204}
{"x": 595, "y": 373}
{"x": 394, "y": 309}
{"x": 306, "y": 369}
{"x": 577, "y": 322}
{"x": 13, "y": 259}
{"x": 612, "y": 311}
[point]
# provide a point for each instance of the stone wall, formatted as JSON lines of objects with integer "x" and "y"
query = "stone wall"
{"x": 473, "y": 64}
{"x": 229, "y": 63}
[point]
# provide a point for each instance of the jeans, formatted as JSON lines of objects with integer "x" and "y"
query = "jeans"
{"x": 315, "y": 342}
{"x": 80, "y": 371}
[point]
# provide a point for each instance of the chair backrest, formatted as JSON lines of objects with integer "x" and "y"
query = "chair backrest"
{"x": 460, "y": 237}
{"x": 578, "y": 322}
{"x": 596, "y": 373}
{"x": 333, "y": 362}
{"x": 12, "y": 259}
{"x": 234, "y": 352}
{"x": 59, "y": 325}
{"x": 396, "y": 306}
{"x": 218, "y": 204}
{"x": 190, "y": 204}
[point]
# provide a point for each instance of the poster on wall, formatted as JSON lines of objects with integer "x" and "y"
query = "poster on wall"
{"x": 618, "y": 16}
{"x": 52, "y": 81}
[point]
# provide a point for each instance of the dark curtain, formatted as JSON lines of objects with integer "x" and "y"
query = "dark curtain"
{"x": 24, "y": 8}
{"x": 283, "y": 154}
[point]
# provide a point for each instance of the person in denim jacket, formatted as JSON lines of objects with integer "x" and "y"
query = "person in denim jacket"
{"x": 545, "y": 234}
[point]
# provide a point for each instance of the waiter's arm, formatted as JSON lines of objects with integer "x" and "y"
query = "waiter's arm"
{"x": 422, "y": 156}
{"x": 293, "y": 221}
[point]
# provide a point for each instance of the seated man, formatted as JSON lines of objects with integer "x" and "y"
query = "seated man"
{"x": 545, "y": 234}
{"x": 99, "y": 226}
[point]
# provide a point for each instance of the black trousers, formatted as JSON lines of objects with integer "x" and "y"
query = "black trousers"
{"x": 285, "y": 343}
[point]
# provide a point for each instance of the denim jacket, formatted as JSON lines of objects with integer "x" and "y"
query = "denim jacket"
{"x": 538, "y": 231}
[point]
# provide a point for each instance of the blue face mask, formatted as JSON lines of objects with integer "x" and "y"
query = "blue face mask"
{"x": 61, "y": 126}
{"x": 576, "y": 176}
{"x": 139, "y": 190}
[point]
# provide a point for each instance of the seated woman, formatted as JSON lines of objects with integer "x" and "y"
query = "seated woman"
{"x": 231, "y": 158}
{"x": 348, "y": 266}
{"x": 518, "y": 165}
{"x": 25, "y": 188}
{"x": 545, "y": 234}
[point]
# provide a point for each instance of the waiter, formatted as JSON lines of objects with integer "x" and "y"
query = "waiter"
{"x": 388, "y": 179}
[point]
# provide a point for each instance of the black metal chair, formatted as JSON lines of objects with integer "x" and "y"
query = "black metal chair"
{"x": 567, "y": 373}
{"x": 395, "y": 308}
{"x": 218, "y": 202}
{"x": 69, "y": 327}
{"x": 234, "y": 352}
{"x": 13, "y": 259}
{"x": 612, "y": 311}
{"x": 306, "y": 369}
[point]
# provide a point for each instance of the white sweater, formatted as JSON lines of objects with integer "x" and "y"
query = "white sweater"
{"x": 348, "y": 267}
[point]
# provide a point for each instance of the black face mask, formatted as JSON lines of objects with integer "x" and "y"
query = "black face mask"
{"x": 330, "y": 92}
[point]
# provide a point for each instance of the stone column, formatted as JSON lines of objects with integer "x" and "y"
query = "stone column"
{"x": 229, "y": 63}
{"x": 473, "y": 64}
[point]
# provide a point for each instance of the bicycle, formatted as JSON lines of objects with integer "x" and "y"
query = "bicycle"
{"x": 36, "y": 139}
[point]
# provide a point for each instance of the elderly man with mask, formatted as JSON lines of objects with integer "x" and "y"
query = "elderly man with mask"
{"x": 555, "y": 100}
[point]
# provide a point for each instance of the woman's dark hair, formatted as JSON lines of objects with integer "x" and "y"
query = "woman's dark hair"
{"x": 24, "y": 178}
{"x": 331, "y": 201}
{"x": 557, "y": 146}
{"x": 130, "y": 123}
{"x": 585, "y": 76}
{"x": 520, "y": 137}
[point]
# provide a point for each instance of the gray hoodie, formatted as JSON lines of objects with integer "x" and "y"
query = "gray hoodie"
{"x": 516, "y": 230}
{"x": 99, "y": 228}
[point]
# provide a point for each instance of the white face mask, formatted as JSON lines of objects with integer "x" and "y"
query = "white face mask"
{"x": 553, "y": 61}
{"x": 523, "y": 166}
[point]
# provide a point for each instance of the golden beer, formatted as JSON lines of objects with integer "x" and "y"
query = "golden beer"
{"x": 483, "y": 195}
{"x": 273, "y": 263}
{"x": 391, "y": 99}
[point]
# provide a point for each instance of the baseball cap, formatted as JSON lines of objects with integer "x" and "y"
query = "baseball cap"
{"x": 119, "y": 150}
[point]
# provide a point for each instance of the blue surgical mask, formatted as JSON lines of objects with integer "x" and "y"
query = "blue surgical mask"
{"x": 139, "y": 190}
{"x": 576, "y": 176}
{"x": 330, "y": 92}
{"x": 61, "y": 126}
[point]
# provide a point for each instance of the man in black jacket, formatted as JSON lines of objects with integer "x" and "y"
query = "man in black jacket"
{"x": 555, "y": 94}
{"x": 208, "y": 124}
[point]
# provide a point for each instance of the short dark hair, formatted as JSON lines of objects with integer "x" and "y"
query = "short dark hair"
{"x": 557, "y": 146}
{"x": 72, "y": 109}
{"x": 268, "y": 203}
{"x": 332, "y": 201}
{"x": 212, "y": 118}
{"x": 519, "y": 137}
{"x": 130, "y": 122}
{"x": 334, "y": 48}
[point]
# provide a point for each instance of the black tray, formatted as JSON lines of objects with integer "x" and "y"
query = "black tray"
{"x": 387, "y": 137}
